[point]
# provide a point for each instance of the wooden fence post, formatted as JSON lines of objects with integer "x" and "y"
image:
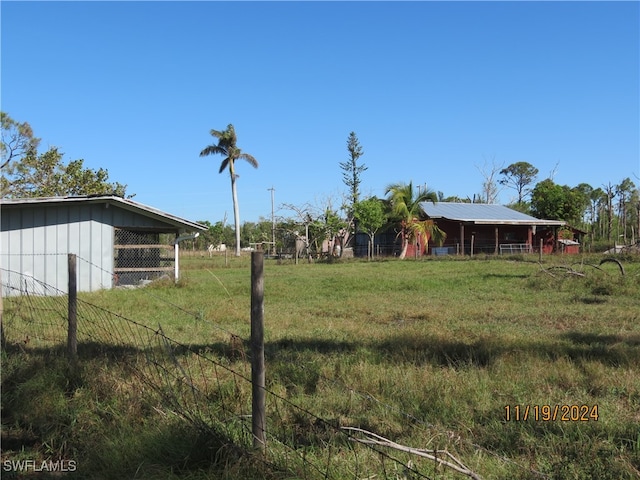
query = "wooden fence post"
{"x": 540, "y": 252}
{"x": 258, "y": 393}
{"x": 72, "y": 333}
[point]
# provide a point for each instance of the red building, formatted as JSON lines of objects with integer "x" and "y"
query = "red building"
{"x": 474, "y": 228}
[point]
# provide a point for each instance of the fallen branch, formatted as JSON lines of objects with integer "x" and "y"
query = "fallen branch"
{"x": 588, "y": 265}
{"x": 574, "y": 272}
{"x": 547, "y": 271}
{"x": 374, "y": 439}
{"x": 613, "y": 260}
{"x": 566, "y": 270}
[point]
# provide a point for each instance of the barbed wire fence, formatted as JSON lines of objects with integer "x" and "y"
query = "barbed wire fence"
{"x": 201, "y": 386}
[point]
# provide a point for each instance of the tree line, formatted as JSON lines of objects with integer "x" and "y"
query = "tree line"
{"x": 609, "y": 213}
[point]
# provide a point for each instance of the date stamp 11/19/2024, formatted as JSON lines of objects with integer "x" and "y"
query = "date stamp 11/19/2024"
{"x": 551, "y": 413}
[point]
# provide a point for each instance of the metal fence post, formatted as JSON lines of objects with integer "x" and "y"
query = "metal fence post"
{"x": 258, "y": 393}
{"x": 72, "y": 333}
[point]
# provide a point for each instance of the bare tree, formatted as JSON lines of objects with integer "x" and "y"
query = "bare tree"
{"x": 490, "y": 189}
{"x": 624, "y": 191}
{"x": 610, "y": 194}
{"x": 305, "y": 218}
{"x": 553, "y": 172}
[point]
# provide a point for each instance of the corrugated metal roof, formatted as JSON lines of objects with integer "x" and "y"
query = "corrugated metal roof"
{"x": 482, "y": 213}
{"x": 111, "y": 199}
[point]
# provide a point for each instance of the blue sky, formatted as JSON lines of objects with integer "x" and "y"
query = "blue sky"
{"x": 435, "y": 92}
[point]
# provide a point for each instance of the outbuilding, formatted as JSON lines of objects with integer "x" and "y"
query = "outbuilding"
{"x": 117, "y": 241}
{"x": 489, "y": 228}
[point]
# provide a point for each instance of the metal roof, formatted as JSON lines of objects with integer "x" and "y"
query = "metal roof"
{"x": 483, "y": 213}
{"x": 109, "y": 199}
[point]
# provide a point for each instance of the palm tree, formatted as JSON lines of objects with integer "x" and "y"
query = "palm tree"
{"x": 428, "y": 230}
{"x": 408, "y": 210}
{"x": 227, "y": 148}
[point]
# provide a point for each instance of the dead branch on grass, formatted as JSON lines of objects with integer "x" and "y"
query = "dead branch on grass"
{"x": 435, "y": 455}
{"x": 587, "y": 265}
{"x": 604, "y": 260}
{"x": 571, "y": 271}
{"x": 613, "y": 260}
{"x": 566, "y": 270}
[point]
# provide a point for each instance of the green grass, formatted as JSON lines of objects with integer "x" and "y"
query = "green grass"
{"x": 426, "y": 353}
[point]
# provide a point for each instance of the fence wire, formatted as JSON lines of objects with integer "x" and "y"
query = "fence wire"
{"x": 206, "y": 389}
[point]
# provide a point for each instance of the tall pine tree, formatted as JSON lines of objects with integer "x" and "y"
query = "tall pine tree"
{"x": 351, "y": 171}
{"x": 351, "y": 176}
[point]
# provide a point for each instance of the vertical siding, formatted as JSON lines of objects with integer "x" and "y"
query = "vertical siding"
{"x": 52, "y": 266}
{"x": 36, "y": 240}
{"x": 101, "y": 247}
{"x": 13, "y": 241}
{"x": 60, "y": 218}
{"x": 81, "y": 246}
{"x": 39, "y": 243}
{"x": 26, "y": 243}
{"x": 72, "y": 241}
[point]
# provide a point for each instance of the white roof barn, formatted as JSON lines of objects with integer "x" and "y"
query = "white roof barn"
{"x": 116, "y": 241}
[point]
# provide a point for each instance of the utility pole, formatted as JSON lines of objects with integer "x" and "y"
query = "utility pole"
{"x": 273, "y": 223}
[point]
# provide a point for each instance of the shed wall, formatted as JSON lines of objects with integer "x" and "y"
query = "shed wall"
{"x": 35, "y": 240}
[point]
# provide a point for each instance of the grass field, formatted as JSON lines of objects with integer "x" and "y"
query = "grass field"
{"x": 434, "y": 354}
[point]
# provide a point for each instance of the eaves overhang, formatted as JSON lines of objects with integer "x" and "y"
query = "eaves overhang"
{"x": 126, "y": 204}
